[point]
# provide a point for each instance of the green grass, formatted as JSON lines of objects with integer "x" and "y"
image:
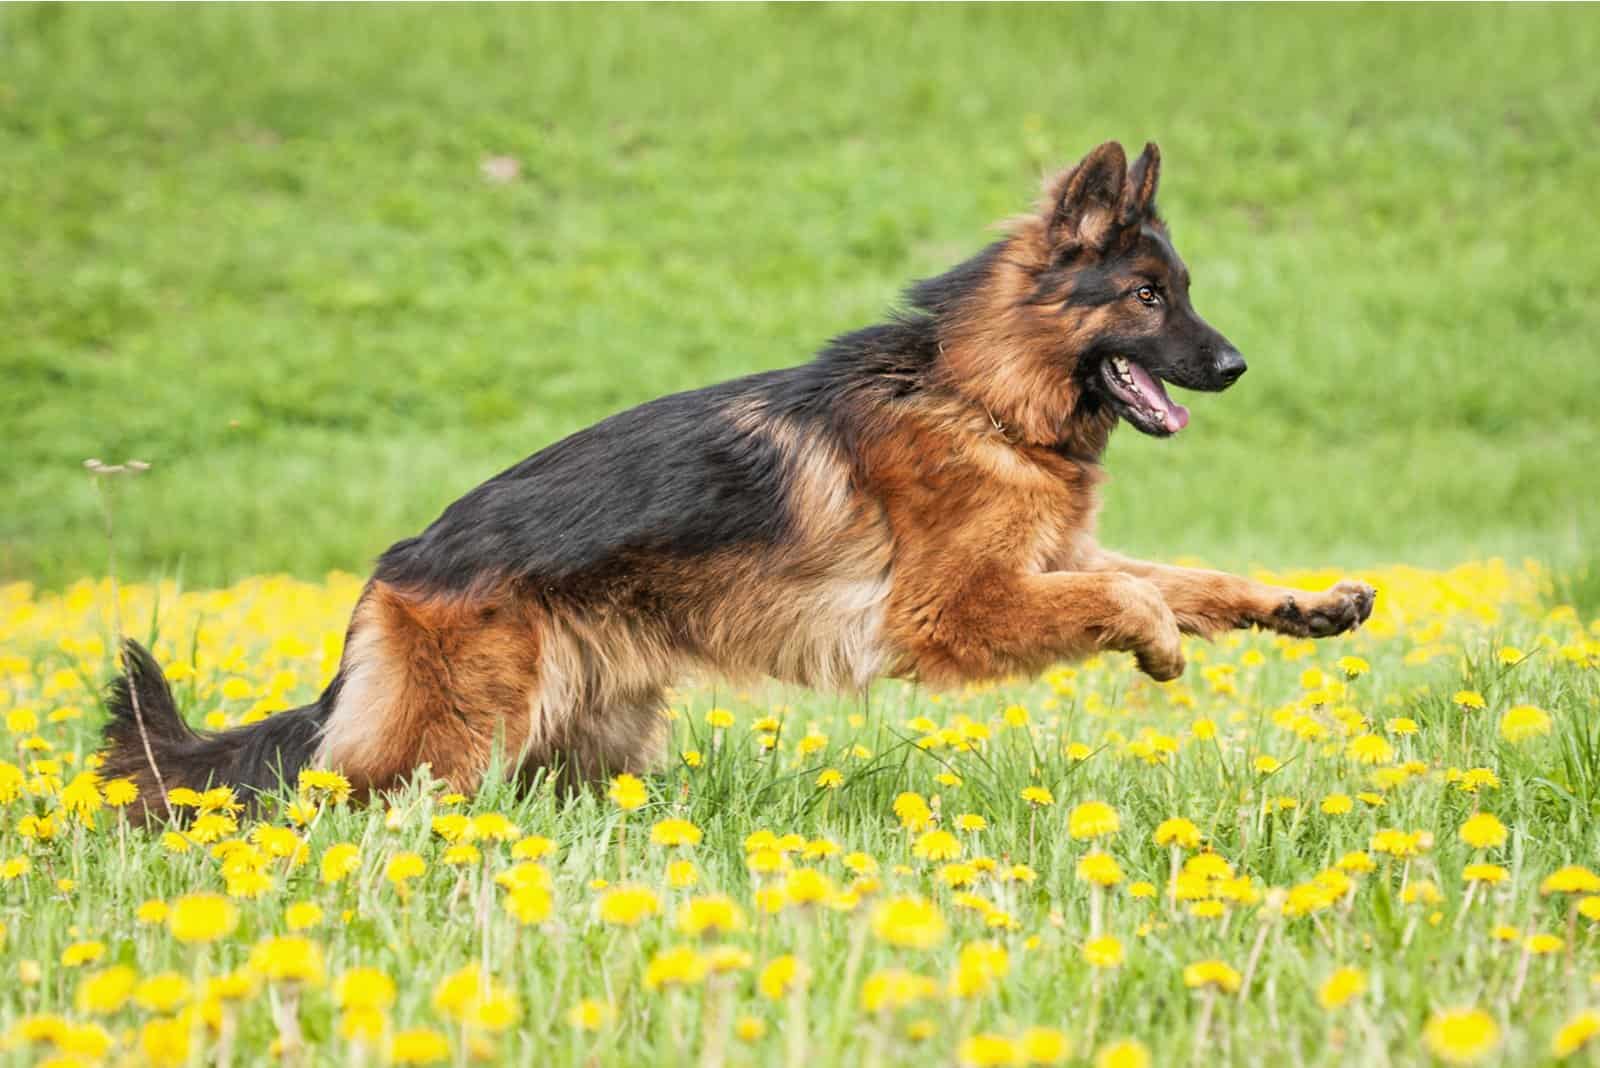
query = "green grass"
{"x": 1419, "y": 958}
{"x": 253, "y": 246}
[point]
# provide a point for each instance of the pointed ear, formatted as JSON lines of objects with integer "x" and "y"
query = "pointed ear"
{"x": 1082, "y": 204}
{"x": 1143, "y": 177}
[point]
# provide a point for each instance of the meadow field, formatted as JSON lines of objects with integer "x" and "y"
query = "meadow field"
{"x": 326, "y": 268}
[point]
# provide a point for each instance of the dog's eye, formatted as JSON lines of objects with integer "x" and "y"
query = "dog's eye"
{"x": 1147, "y": 295}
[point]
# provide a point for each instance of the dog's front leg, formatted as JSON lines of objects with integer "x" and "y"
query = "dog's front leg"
{"x": 995, "y": 624}
{"x": 1207, "y": 602}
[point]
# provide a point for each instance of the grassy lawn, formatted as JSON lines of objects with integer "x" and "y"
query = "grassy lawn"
{"x": 1371, "y": 871}
{"x": 255, "y": 248}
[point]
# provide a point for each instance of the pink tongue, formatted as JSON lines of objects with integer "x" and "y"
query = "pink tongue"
{"x": 1174, "y": 416}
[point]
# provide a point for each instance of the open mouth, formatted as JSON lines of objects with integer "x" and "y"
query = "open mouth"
{"x": 1141, "y": 399}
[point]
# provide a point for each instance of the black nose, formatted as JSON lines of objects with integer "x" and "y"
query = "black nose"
{"x": 1230, "y": 365}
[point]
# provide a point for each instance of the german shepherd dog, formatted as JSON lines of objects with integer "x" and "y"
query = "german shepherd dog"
{"x": 917, "y": 501}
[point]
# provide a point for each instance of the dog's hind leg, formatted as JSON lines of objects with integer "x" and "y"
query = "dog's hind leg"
{"x": 430, "y": 680}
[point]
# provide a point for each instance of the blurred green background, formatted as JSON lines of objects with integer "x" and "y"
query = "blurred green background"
{"x": 256, "y": 247}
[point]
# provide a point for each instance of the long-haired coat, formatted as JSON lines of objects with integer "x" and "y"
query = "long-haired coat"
{"x": 917, "y": 501}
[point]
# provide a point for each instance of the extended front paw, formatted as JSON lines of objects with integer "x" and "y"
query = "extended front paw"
{"x": 1320, "y": 615}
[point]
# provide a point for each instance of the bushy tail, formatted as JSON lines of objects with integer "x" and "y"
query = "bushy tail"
{"x": 167, "y": 754}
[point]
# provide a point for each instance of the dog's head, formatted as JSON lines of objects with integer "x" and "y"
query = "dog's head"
{"x": 1084, "y": 310}
{"x": 1109, "y": 270}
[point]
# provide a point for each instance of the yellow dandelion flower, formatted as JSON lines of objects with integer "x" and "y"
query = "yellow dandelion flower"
{"x": 78, "y": 954}
{"x": 419, "y": 1046}
{"x": 288, "y": 959}
{"x": 861, "y": 863}
{"x": 120, "y": 793}
{"x": 912, "y": 810}
{"x": 1177, "y": 831}
{"x": 163, "y": 992}
{"x": 494, "y": 827}
{"x": 1524, "y": 722}
{"x": 462, "y": 854}
{"x": 710, "y": 914}
{"x": 339, "y": 861}
{"x": 402, "y": 868}
{"x": 1461, "y": 1036}
{"x": 1353, "y": 666}
{"x": 1212, "y": 973}
{"x": 1421, "y": 892}
{"x": 1576, "y": 1033}
{"x": 325, "y": 783}
{"x": 533, "y": 847}
{"x": 807, "y": 886}
{"x": 628, "y": 906}
{"x": 1123, "y": 1053}
{"x": 628, "y": 792}
{"x": 1044, "y": 1045}
{"x": 1400, "y": 844}
{"x": 1483, "y": 831}
{"x": 1344, "y": 985}
{"x": 106, "y": 991}
{"x": 1103, "y": 952}
{"x": 1358, "y": 862}
{"x": 892, "y": 989}
{"x": 1092, "y": 819}
{"x": 723, "y": 959}
{"x": 1492, "y": 874}
{"x": 1038, "y": 796}
{"x": 909, "y": 922}
{"x": 1100, "y": 869}
{"x": 591, "y": 1014}
{"x": 675, "y": 966}
{"x": 675, "y": 832}
{"x": 781, "y": 976}
{"x": 1540, "y": 945}
{"x": 979, "y": 966}
{"x": 682, "y": 874}
{"x": 1572, "y": 879}
{"x": 988, "y": 1050}
{"x": 199, "y": 918}
{"x": 364, "y": 988}
{"x": 164, "y": 1041}
{"x": 1369, "y": 749}
{"x": 302, "y": 915}
{"x": 936, "y": 845}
